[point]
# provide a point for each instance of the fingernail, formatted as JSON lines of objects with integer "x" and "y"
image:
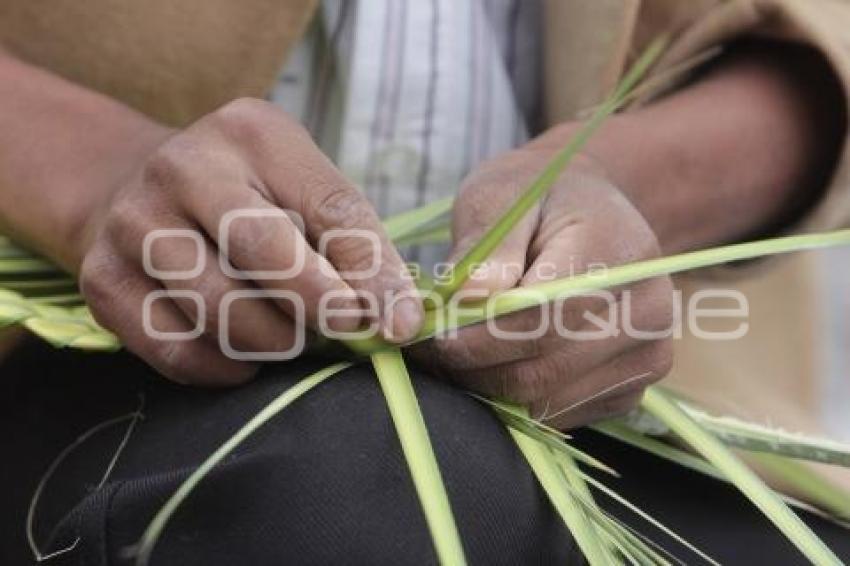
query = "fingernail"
{"x": 405, "y": 320}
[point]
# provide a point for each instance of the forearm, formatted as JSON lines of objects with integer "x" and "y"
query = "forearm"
{"x": 62, "y": 148}
{"x": 741, "y": 152}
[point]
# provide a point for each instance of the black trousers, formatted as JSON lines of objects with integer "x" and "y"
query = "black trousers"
{"x": 323, "y": 483}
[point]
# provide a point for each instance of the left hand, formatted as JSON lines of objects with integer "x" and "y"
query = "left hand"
{"x": 584, "y": 221}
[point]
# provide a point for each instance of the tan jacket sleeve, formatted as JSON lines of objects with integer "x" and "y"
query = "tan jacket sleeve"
{"x": 822, "y": 24}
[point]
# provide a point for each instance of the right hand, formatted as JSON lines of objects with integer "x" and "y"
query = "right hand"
{"x": 246, "y": 155}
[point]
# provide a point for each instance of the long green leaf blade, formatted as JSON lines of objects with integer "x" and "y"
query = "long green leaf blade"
{"x": 556, "y": 487}
{"x": 404, "y": 224}
{"x": 827, "y": 501}
{"x": 657, "y": 403}
{"x": 655, "y": 447}
{"x": 518, "y": 419}
{"x": 450, "y": 317}
{"x": 539, "y": 187}
{"x": 151, "y": 535}
{"x": 575, "y": 480}
{"x": 814, "y": 488}
{"x": 416, "y": 446}
{"x": 646, "y": 517}
{"x": 757, "y": 438}
{"x": 28, "y": 265}
{"x": 630, "y": 544}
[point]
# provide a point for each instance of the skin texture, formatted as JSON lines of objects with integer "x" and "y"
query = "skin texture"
{"x": 248, "y": 155}
{"x": 84, "y": 179}
{"x": 739, "y": 153}
{"x": 584, "y": 223}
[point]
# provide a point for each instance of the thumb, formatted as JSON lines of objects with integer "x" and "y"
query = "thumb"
{"x": 476, "y": 211}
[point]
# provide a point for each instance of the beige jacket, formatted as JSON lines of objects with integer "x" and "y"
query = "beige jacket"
{"x": 178, "y": 60}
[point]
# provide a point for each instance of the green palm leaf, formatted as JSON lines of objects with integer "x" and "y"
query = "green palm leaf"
{"x": 532, "y": 195}
{"x": 577, "y": 479}
{"x": 552, "y": 481}
{"x": 146, "y": 545}
{"x": 61, "y": 326}
{"x": 832, "y": 503}
{"x": 517, "y": 418}
{"x": 451, "y": 316}
{"x": 416, "y": 446}
{"x": 406, "y": 224}
{"x": 660, "y": 406}
{"x": 757, "y": 438}
{"x": 815, "y": 488}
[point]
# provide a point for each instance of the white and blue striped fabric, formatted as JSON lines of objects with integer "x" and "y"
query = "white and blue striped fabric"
{"x": 407, "y": 96}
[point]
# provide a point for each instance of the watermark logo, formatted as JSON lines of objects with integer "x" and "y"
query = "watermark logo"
{"x": 709, "y": 314}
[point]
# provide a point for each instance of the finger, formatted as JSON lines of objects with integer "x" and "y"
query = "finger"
{"x": 609, "y": 391}
{"x": 529, "y": 380}
{"x": 512, "y": 367}
{"x": 261, "y": 242}
{"x": 116, "y": 292}
{"x": 482, "y": 201}
{"x": 349, "y": 233}
{"x": 583, "y": 327}
{"x": 339, "y": 220}
{"x": 523, "y": 335}
{"x": 244, "y": 321}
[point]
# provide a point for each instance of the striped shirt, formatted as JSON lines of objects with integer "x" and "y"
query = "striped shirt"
{"x": 407, "y": 96}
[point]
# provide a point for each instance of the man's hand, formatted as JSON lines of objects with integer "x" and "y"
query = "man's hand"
{"x": 560, "y": 364}
{"x": 247, "y": 155}
{"x": 693, "y": 173}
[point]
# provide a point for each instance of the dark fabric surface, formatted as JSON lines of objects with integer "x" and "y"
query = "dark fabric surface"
{"x": 323, "y": 483}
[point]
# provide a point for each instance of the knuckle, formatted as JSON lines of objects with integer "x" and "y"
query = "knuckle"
{"x": 166, "y": 167}
{"x": 646, "y": 240}
{"x": 95, "y": 281}
{"x": 357, "y": 252}
{"x": 652, "y": 363}
{"x": 247, "y": 119}
{"x": 509, "y": 171}
{"x": 340, "y": 206}
{"x": 652, "y": 305}
{"x": 244, "y": 106}
{"x": 173, "y": 359}
{"x": 241, "y": 120}
{"x": 661, "y": 360}
{"x": 280, "y": 342}
{"x": 176, "y": 360}
{"x": 645, "y": 244}
{"x": 530, "y": 383}
{"x": 127, "y": 225}
{"x": 452, "y": 354}
{"x": 179, "y": 361}
{"x": 251, "y": 240}
{"x": 474, "y": 206}
{"x": 212, "y": 291}
{"x": 242, "y": 111}
{"x": 632, "y": 245}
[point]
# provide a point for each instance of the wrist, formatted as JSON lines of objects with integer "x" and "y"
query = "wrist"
{"x": 78, "y": 193}
{"x": 63, "y": 151}
{"x": 742, "y": 152}
{"x": 640, "y": 160}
